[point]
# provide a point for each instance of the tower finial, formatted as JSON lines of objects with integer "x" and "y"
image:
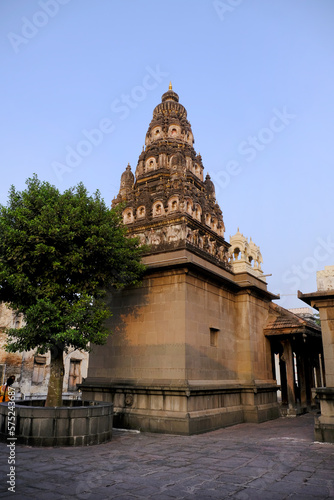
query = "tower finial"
{"x": 170, "y": 86}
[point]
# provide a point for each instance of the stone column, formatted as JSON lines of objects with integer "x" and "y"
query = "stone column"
{"x": 288, "y": 358}
{"x": 284, "y": 385}
{"x": 302, "y": 378}
{"x": 318, "y": 374}
{"x": 323, "y": 300}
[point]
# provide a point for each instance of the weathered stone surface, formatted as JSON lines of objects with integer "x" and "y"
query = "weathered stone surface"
{"x": 78, "y": 424}
{"x": 325, "y": 279}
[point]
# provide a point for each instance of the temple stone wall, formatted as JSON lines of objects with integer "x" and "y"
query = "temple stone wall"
{"x": 254, "y": 353}
{"x": 187, "y": 353}
{"x": 148, "y": 326}
{"x": 181, "y": 326}
{"x": 210, "y": 317}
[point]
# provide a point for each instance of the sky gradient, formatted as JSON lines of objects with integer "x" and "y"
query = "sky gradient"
{"x": 80, "y": 80}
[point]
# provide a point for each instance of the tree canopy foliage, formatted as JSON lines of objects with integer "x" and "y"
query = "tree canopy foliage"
{"x": 59, "y": 254}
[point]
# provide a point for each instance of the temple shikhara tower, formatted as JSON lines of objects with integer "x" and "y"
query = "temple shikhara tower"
{"x": 168, "y": 203}
{"x": 188, "y": 352}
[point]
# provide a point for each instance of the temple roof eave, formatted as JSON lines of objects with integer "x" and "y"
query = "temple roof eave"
{"x": 283, "y": 322}
{"x": 314, "y": 299}
{"x": 299, "y": 331}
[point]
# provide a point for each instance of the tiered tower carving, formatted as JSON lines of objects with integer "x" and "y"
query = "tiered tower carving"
{"x": 167, "y": 203}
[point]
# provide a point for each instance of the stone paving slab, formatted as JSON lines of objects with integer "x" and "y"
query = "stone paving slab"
{"x": 275, "y": 460}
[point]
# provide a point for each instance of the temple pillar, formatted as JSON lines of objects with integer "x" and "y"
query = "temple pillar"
{"x": 302, "y": 380}
{"x": 309, "y": 376}
{"x": 290, "y": 380}
{"x": 322, "y": 370}
{"x": 284, "y": 390}
{"x": 318, "y": 374}
{"x": 324, "y": 426}
{"x": 323, "y": 300}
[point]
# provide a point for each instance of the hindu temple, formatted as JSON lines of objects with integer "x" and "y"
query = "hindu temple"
{"x": 191, "y": 349}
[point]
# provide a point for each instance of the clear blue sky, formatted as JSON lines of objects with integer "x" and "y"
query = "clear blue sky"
{"x": 255, "y": 76}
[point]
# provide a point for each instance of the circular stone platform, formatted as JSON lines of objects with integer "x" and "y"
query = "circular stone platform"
{"x": 76, "y": 423}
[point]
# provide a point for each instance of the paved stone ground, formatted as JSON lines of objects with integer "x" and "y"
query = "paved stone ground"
{"x": 275, "y": 460}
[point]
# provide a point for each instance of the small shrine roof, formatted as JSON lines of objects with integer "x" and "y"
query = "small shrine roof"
{"x": 282, "y": 322}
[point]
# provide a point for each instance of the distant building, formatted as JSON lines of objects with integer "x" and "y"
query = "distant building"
{"x": 304, "y": 312}
{"x": 32, "y": 370}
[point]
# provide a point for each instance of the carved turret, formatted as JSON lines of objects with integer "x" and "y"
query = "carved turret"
{"x": 244, "y": 255}
{"x": 209, "y": 186}
{"x": 127, "y": 181}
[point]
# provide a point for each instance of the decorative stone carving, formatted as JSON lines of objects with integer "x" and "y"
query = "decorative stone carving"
{"x": 209, "y": 186}
{"x": 154, "y": 237}
{"x": 158, "y": 209}
{"x": 128, "y": 400}
{"x": 244, "y": 255}
{"x": 128, "y": 216}
{"x": 141, "y": 212}
{"x": 173, "y": 204}
{"x": 325, "y": 279}
{"x": 174, "y": 233}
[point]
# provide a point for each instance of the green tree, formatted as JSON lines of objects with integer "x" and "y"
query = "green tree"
{"x": 59, "y": 254}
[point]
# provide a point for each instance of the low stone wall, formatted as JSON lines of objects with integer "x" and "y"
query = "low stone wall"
{"x": 77, "y": 423}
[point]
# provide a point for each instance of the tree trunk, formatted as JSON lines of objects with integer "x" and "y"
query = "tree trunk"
{"x": 55, "y": 389}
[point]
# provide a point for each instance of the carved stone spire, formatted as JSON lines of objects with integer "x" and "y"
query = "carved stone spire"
{"x": 168, "y": 204}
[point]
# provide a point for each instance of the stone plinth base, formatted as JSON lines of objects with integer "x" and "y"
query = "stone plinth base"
{"x": 184, "y": 409}
{"x": 77, "y": 423}
{"x": 324, "y": 424}
{"x": 293, "y": 411}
